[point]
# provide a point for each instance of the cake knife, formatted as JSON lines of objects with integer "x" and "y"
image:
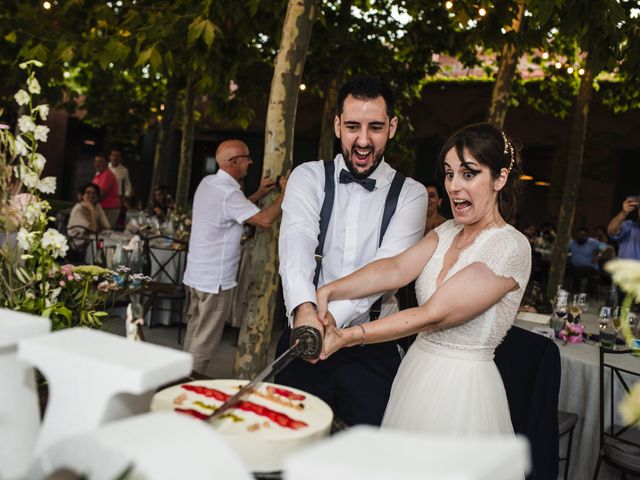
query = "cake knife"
{"x": 306, "y": 342}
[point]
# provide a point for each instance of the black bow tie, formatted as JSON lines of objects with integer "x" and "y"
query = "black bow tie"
{"x": 347, "y": 177}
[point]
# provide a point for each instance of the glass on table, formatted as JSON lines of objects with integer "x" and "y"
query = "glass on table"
{"x": 607, "y": 331}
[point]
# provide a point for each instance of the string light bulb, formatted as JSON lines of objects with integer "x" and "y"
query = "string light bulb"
{"x": 482, "y": 12}
{"x": 545, "y": 55}
{"x": 448, "y": 5}
{"x": 46, "y": 5}
{"x": 303, "y": 87}
{"x": 581, "y": 72}
{"x": 558, "y": 65}
{"x": 570, "y": 70}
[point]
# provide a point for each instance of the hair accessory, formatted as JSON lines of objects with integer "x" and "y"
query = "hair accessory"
{"x": 508, "y": 150}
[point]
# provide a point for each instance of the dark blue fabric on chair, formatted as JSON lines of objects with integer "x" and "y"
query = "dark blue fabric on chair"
{"x": 530, "y": 368}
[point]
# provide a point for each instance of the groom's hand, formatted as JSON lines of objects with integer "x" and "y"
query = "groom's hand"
{"x": 307, "y": 315}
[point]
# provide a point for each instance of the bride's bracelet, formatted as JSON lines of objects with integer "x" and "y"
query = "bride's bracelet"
{"x": 363, "y": 335}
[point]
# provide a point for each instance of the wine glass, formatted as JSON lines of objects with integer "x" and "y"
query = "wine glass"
{"x": 616, "y": 323}
{"x": 607, "y": 335}
{"x": 560, "y": 307}
{"x": 582, "y": 299}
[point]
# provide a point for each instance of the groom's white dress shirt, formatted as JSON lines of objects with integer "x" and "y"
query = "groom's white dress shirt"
{"x": 352, "y": 236}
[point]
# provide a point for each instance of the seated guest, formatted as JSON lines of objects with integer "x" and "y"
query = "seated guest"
{"x": 585, "y": 256}
{"x": 161, "y": 202}
{"x": 87, "y": 213}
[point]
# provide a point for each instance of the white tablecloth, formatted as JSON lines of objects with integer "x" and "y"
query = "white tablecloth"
{"x": 579, "y": 393}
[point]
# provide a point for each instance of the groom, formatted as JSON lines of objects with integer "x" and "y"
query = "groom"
{"x": 338, "y": 216}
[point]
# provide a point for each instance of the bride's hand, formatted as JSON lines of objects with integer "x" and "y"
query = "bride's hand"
{"x": 334, "y": 338}
{"x": 322, "y": 303}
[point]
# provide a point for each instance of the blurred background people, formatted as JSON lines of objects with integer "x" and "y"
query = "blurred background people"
{"x": 434, "y": 219}
{"x": 109, "y": 191}
{"x": 624, "y": 228}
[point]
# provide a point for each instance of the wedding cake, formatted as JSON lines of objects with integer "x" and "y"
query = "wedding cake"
{"x": 263, "y": 427}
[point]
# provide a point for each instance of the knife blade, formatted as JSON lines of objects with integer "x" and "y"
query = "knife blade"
{"x": 306, "y": 342}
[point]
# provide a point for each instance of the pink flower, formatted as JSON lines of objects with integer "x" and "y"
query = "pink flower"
{"x": 66, "y": 269}
{"x": 61, "y": 283}
{"x": 70, "y": 277}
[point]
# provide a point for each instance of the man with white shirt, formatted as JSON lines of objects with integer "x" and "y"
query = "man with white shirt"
{"x": 220, "y": 208}
{"x": 125, "y": 190}
{"x": 355, "y": 231}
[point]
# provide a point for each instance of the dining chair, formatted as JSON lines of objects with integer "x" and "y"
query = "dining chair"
{"x": 619, "y": 443}
{"x": 567, "y": 422}
{"x": 80, "y": 239}
{"x": 530, "y": 368}
{"x": 167, "y": 258}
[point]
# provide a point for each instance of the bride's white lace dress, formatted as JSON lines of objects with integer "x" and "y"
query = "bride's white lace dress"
{"x": 448, "y": 382}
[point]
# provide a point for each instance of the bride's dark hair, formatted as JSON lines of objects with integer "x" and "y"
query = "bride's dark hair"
{"x": 492, "y": 148}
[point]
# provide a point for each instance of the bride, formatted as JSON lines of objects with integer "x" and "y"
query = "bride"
{"x": 471, "y": 274}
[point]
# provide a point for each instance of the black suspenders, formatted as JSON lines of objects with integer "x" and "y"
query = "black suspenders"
{"x": 390, "y": 205}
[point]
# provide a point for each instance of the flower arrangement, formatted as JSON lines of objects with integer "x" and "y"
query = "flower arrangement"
{"x": 31, "y": 280}
{"x": 626, "y": 274}
{"x": 572, "y": 332}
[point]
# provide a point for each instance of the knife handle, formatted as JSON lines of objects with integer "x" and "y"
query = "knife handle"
{"x": 309, "y": 341}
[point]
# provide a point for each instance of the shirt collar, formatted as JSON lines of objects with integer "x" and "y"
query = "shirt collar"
{"x": 383, "y": 174}
{"x": 227, "y": 178}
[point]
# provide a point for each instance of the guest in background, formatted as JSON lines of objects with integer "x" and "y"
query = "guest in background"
{"x": 220, "y": 209}
{"x": 584, "y": 262}
{"x": 624, "y": 228}
{"x": 86, "y": 217}
{"x": 87, "y": 212}
{"x": 109, "y": 191}
{"x": 434, "y": 219}
{"x": 125, "y": 190}
{"x": 161, "y": 202}
{"x": 121, "y": 173}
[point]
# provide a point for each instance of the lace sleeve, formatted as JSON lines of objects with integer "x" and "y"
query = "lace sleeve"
{"x": 508, "y": 254}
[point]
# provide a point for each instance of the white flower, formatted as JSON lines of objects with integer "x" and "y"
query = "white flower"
{"x": 25, "y": 239}
{"x": 26, "y": 124}
{"x": 47, "y": 185}
{"x": 24, "y": 65}
{"x": 626, "y": 274}
{"x": 41, "y": 133}
{"x": 28, "y": 177}
{"x": 21, "y": 146}
{"x": 43, "y": 110}
{"x": 56, "y": 242}
{"x": 38, "y": 162}
{"x": 630, "y": 406}
{"x": 32, "y": 211}
{"x": 22, "y": 97}
{"x": 33, "y": 85}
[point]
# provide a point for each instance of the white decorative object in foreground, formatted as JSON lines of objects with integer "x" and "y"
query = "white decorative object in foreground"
{"x": 97, "y": 377}
{"x": 159, "y": 446}
{"x": 19, "y": 409}
{"x": 373, "y": 454}
{"x": 266, "y": 426}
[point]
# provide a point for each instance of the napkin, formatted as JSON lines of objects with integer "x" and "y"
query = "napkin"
{"x": 542, "y": 318}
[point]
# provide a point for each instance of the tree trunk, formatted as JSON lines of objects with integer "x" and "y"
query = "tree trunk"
{"x": 327, "y": 134}
{"x": 572, "y": 180}
{"x": 164, "y": 141}
{"x": 186, "y": 145}
{"x": 504, "y": 79}
{"x": 255, "y": 333}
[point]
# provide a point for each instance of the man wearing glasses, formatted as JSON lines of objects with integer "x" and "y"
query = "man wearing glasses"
{"x": 220, "y": 209}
